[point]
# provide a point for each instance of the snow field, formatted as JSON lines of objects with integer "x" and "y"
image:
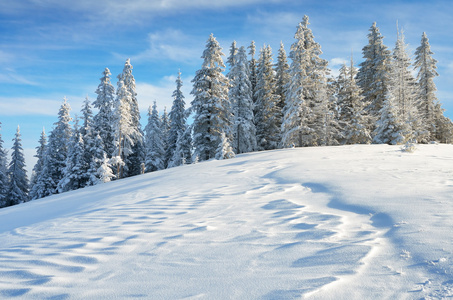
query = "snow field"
{"x": 353, "y": 222}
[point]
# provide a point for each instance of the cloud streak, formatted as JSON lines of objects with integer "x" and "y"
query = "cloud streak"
{"x": 170, "y": 44}
{"x": 162, "y": 93}
{"x": 33, "y": 106}
{"x": 10, "y": 77}
{"x": 119, "y": 12}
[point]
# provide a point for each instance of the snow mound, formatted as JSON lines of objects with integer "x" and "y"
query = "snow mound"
{"x": 350, "y": 222}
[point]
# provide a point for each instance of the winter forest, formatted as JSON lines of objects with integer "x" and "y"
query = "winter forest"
{"x": 250, "y": 102}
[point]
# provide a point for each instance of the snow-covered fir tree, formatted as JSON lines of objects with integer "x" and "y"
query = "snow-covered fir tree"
{"x": 426, "y": 66}
{"x": 87, "y": 117}
{"x": 133, "y": 161}
{"x": 103, "y": 120}
{"x": 37, "y": 168}
{"x": 165, "y": 124}
{"x": 44, "y": 185}
{"x": 126, "y": 132}
{"x": 253, "y": 64}
{"x": 282, "y": 75}
{"x": 268, "y": 115}
{"x": 373, "y": 75}
{"x": 224, "y": 150}
{"x": 104, "y": 172}
{"x": 17, "y": 191}
{"x": 87, "y": 132}
{"x": 231, "y": 60}
{"x": 59, "y": 139}
{"x": 327, "y": 125}
{"x": 306, "y": 89}
{"x": 93, "y": 146}
{"x": 443, "y": 125}
{"x": 183, "y": 151}
{"x": 297, "y": 110}
{"x": 155, "y": 151}
{"x": 352, "y": 116}
{"x": 54, "y": 161}
{"x": 178, "y": 122}
{"x": 390, "y": 128}
{"x": 404, "y": 87}
{"x": 3, "y": 173}
{"x": 75, "y": 172}
{"x": 129, "y": 83}
{"x": 240, "y": 95}
{"x": 210, "y": 105}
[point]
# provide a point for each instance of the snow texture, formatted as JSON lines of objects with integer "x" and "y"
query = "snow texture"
{"x": 346, "y": 222}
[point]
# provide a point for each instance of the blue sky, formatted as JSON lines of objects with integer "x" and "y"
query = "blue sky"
{"x": 50, "y": 49}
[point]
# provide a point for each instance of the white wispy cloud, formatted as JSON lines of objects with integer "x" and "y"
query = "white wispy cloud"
{"x": 147, "y": 93}
{"x": 337, "y": 61}
{"x": 11, "y": 77}
{"x": 6, "y": 57}
{"x": 170, "y": 44}
{"x": 162, "y": 93}
{"x": 271, "y": 27}
{"x": 8, "y": 74}
{"x": 22, "y": 106}
{"x": 119, "y": 12}
{"x": 276, "y": 26}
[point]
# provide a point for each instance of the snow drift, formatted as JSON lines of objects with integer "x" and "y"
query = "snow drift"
{"x": 349, "y": 222}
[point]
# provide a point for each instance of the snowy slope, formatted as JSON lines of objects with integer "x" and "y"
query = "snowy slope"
{"x": 351, "y": 222}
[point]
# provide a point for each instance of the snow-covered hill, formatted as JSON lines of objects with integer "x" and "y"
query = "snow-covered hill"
{"x": 350, "y": 222}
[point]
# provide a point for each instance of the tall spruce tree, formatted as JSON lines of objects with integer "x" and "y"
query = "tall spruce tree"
{"x": 231, "y": 60}
{"x": 352, "y": 117}
{"x": 3, "y": 173}
{"x": 404, "y": 87}
{"x": 87, "y": 117}
{"x": 241, "y": 98}
{"x": 103, "y": 120}
{"x": 54, "y": 161}
{"x": 44, "y": 185}
{"x": 38, "y": 167}
{"x": 328, "y": 129}
{"x": 211, "y": 105}
{"x": 59, "y": 138}
{"x": 390, "y": 127}
{"x": 268, "y": 114}
{"x": 93, "y": 146}
{"x": 282, "y": 75}
{"x": 155, "y": 151}
{"x": 373, "y": 75}
{"x": 75, "y": 171}
{"x": 98, "y": 161}
{"x": 165, "y": 124}
{"x": 443, "y": 125}
{"x": 305, "y": 91}
{"x": 178, "y": 122}
{"x": 426, "y": 66}
{"x": 183, "y": 151}
{"x": 17, "y": 175}
{"x": 253, "y": 64}
{"x": 133, "y": 161}
{"x": 126, "y": 133}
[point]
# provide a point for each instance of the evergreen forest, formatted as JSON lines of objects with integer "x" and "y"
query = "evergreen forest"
{"x": 251, "y": 101}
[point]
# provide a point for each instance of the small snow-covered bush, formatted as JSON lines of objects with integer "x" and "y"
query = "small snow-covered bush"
{"x": 409, "y": 147}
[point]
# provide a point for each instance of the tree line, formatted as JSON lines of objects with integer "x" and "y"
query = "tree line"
{"x": 257, "y": 105}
